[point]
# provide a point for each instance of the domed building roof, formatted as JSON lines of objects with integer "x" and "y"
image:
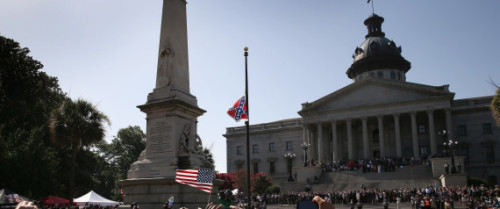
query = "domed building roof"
{"x": 377, "y": 52}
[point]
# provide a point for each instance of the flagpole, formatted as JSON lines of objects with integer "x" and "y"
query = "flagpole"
{"x": 247, "y": 124}
{"x": 209, "y": 196}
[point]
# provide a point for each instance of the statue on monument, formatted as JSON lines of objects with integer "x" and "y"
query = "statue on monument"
{"x": 185, "y": 140}
{"x": 165, "y": 67}
{"x": 187, "y": 144}
{"x": 198, "y": 146}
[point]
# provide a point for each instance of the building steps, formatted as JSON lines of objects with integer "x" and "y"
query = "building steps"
{"x": 416, "y": 176}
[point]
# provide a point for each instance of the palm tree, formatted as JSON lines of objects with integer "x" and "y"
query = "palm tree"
{"x": 76, "y": 124}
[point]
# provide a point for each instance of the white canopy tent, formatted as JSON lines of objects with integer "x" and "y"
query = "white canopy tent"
{"x": 93, "y": 198}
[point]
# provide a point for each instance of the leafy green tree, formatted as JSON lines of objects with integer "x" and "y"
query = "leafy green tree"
{"x": 228, "y": 182}
{"x": 261, "y": 183}
{"x": 273, "y": 189}
{"x": 209, "y": 157}
{"x": 495, "y": 106}
{"x": 27, "y": 95}
{"x": 239, "y": 178}
{"x": 123, "y": 150}
{"x": 77, "y": 124}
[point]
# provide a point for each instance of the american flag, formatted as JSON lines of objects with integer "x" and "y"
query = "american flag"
{"x": 239, "y": 110}
{"x": 197, "y": 178}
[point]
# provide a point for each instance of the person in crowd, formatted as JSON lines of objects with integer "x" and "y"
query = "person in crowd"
{"x": 322, "y": 204}
{"x": 26, "y": 205}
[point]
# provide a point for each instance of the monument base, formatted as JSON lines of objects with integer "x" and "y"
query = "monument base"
{"x": 453, "y": 180}
{"x": 307, "y": 174}
{"x": 152, "y": 193}
{"x": 193, "y": 161}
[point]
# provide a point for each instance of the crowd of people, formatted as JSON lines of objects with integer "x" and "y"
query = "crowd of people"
{"x": 473, "y": 197}
{"x": 432, "y": 196}
{"x": 386, "y": 164}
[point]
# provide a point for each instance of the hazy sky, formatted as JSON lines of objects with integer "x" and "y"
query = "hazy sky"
{"x": 106, "y": 51}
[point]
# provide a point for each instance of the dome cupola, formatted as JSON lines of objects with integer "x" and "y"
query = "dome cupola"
{"x": 378, "y": 56}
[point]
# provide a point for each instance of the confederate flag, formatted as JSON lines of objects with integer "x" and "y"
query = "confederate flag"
{"x": 239, "y": 110}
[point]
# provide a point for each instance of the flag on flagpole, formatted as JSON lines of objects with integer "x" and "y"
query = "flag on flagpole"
{"x": 198, "y": 178}
{"x": 239, "y": 110}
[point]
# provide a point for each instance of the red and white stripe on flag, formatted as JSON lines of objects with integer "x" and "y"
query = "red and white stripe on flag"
{"x": 198, "y": 178}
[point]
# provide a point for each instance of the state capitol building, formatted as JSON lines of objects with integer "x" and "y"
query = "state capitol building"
{"x": 380, "y": 115}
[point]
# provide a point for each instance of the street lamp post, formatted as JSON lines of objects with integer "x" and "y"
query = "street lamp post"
{"x": 289, "y": 159}
{"x": 305, "y": 146}
{"x": 450, "y": 146}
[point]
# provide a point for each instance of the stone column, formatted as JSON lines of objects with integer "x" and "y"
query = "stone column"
{"x": 414, "y": 134}
{"x": 449, "y": 123}
{"x": 432, "y": 132}
{"x": 335, "y": 141}
{"x": 381, "y": 135}
{"x": 305, "y": 140}
{"x": 366, "y": 148}
{"x": 397, "y": 130}
{"x": 350, "y": 150}
{"x": 321, "y": 144}
{"x": 312, "y": 149}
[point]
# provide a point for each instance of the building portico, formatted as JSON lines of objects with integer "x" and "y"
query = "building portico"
{"x": 392, "y": 134}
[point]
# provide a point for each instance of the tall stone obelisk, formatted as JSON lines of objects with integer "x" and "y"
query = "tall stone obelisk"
{"x": 171, "y": 129}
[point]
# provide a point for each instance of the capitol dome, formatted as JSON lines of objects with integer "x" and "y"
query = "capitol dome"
{"x": 378, "y": 56}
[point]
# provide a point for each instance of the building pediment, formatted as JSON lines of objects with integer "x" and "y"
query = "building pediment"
{"x": 376, "y": 92}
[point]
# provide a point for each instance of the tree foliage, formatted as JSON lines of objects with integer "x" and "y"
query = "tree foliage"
{"x": 209, "y": 157}
{"x": 259, "y": 182}
{"x": 76, "y": 124}
{"x": 228, "y": 181}
{"x": 495, "y": 107}
{"x": 27, "y": 95}
{"x": 273, "y": 189}
{"x": 124, "y": 149}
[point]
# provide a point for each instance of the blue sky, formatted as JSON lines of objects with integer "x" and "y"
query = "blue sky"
{"x": 106, "y": 51}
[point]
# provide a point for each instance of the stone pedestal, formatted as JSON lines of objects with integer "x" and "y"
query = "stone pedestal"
{"x": 152, "y": 193}
{"x": 307, "y": 174}
{"x": 438, "y": 165}
{"x": 453, "y": 180}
